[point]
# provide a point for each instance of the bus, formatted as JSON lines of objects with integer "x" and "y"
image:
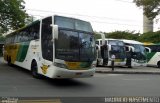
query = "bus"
{"x": 55, "y": 46}
{"x": 113, "y": 47}
{"x": 135, "y": 52}
{"x": 153, "y": 57}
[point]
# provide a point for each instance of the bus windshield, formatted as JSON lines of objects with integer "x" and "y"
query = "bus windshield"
{"x": 74, "y": 24}
{"x": 75, "y": 46}
{"x": 118, "y": 51}
{"x": 117, "y": 48}
{"x": 139, "y": 52}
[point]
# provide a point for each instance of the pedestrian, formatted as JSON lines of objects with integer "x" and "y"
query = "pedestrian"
{"x": 112, "y": 61}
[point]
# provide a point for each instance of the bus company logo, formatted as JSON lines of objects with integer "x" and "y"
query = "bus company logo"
{"x": 34, "y": 46}
{"x": 44, "y": 68}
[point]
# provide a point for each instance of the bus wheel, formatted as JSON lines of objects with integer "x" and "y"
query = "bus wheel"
{"x": 34, "y": 70}
{"x": 158, "y": 64}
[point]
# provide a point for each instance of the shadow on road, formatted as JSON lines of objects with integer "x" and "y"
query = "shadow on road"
{"x": 66, "y": 82}
{"x": 54, "y": 82}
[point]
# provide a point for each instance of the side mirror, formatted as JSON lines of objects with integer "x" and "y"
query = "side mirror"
{"x": 132, "y": 48}
{"x": 129, "y": 48}
{"x": 55, "y": 31}
{"x": 109, "y": 48}
{"x": 36, "y": 37}
{"x": 103, "y": 38}
{"x": 148, "y": 50}
{"x": 97, "y": 47}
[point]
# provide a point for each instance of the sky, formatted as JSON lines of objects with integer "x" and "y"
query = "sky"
{"x": 104, "y": 15}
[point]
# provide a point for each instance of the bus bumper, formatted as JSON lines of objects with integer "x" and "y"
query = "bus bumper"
{"x": 57, "y": 72}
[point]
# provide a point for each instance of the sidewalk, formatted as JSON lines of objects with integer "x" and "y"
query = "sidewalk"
{"x": 125, "y": 70}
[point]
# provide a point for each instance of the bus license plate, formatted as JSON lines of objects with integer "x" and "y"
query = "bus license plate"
{"x": 79, "y": 73}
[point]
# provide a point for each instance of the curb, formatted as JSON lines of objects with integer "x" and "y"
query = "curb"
{"x": 121, "y": 72}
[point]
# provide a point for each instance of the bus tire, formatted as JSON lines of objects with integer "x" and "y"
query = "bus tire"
{"x": 158, "y": 64}
{"x": 34, "y": 69}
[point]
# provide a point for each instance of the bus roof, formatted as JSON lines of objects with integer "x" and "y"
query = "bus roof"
{"x": 131, "y": 41}
{"x": 148, "y": 43}
{"x": 109, "y": 39}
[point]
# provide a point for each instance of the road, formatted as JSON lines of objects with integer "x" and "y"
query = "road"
{"x": 17, "y": 82}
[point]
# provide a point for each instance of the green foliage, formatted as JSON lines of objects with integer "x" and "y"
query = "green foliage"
{"x": 29, "y": 20}
{"x": 122, "y": 35}
{"x": 151, "y": 7}
{"x": 97, "y": 35}
{"x": 12, "y": 14}
{"x": 119, "y": 35}
{"x": 2, "y": 39}
{"x": 153, "y": 37}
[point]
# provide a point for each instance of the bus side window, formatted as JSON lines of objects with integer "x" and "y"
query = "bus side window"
{"x": 34, "y": 31}
{"x": 47, "y": 44}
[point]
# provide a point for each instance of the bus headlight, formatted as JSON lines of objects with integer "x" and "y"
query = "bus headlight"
{"x": 93, "y": 65}
{"x": 60, "y": 65}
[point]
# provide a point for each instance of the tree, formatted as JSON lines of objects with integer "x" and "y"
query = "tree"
{"x": 119, "y": 35}
{"x": 29, "y": 20}
{"x": 12, "y": 14}
{"x": 151, "y": 7}
{"x": 122, "y": 35}
{"x": 152, "y": 37}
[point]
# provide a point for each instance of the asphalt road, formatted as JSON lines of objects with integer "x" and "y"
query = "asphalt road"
{"x": 17, "y": 82}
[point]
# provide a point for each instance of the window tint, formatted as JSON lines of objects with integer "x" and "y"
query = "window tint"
{"x": 64, "y": 22}
{"x": 154, "y": 48}
{"x": 25, "y": 34}
{"x": 71, "y": 23}
{"x": 47, "y": 44}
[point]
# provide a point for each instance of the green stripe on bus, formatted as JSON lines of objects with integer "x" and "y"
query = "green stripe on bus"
{"x": 22, "y": 52}
{"x": 150, "y": 55}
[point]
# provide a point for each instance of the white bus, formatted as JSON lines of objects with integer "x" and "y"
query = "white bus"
{"x": 153, "y": 57}
{"x": 110, "y": 47}
{"x": 135, "y": 52}
{"x": 56, "y": 47}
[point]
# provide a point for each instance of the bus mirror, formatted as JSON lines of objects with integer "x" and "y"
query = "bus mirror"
{"x": 109, "y": 48}
{"x": 148, "y": 50}
{"x": 131, "y": 49}
{"x": 55, "y": 31}
{"x": 97, "y": 48}
{"x": 35, "y": 37}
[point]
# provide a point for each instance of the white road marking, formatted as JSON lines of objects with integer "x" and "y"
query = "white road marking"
{"x": 137, "y": 79}
{"x": 104, "y": 75}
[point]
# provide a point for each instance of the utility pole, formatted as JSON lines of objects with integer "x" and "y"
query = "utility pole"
{"x": 147, "y": 24}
